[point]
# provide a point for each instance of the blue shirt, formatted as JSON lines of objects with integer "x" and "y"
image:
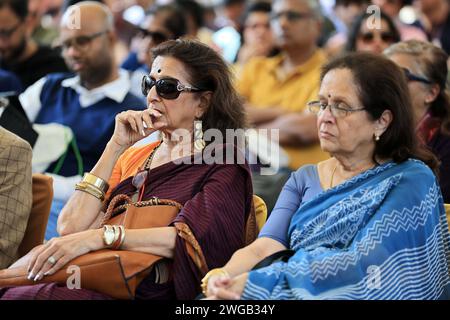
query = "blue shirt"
{"x": 92, "y": 126}
{"x": 9, "y": 82}
{"x": 302, "y": 186}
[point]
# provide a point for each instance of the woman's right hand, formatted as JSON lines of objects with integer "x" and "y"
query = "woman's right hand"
{"x": 132, "y": 126}
{"x": 216, "y": 282}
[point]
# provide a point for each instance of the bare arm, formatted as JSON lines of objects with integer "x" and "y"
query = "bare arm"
{"x": 296, "y": 129}
{"x": 257, "y": 115}
{"x": 82, "y": 211}
{"x": 158, "y": 241}
{"x": 246, "y": 258}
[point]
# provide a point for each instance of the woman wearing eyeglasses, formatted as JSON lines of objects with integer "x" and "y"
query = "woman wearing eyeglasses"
{"x": 188, "y": 83}
{"x": 364, "y": 224}
{"x": 425, "y": 67}
{"x": 372, "y": 33}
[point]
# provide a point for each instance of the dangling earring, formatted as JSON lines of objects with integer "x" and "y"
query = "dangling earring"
{"x": 377, "y": 137}
{"x": 199, "y": 143}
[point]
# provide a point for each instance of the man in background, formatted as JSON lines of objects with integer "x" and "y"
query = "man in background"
{"x": 19, "y": 53}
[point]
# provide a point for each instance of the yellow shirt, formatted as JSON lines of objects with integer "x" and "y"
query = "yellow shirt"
{"x": 262, "y": 86}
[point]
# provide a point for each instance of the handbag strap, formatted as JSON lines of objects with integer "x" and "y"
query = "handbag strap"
{"x": 282, "y": 255}
{"x": 154, "y": 201}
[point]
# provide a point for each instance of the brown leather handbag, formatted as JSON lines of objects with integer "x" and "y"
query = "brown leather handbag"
{"x": 116, "y": 273}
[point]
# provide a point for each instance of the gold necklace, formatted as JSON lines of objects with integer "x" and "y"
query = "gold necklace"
{"x": 334, "y": 171}
{"x": 332, "y": 176}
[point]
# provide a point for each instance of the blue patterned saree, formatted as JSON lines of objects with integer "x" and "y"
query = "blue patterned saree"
{"x": 380, "y": 235}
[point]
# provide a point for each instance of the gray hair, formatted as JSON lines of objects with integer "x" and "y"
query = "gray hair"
{"x": 427, "y": 54}
{"x": 314, "y": 6}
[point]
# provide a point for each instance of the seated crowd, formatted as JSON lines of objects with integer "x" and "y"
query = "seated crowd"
{"x": 282, "y": 149}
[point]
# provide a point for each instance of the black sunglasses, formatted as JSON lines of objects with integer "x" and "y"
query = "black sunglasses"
{"x": 167, "y": 88}
{"x": 413, "y": 77}
{"x": 158, "y": 37}
{"x": 369, "y": 36}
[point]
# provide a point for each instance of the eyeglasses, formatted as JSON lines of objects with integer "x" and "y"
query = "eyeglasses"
{"x": 166, "y": 88}
{"x": 413, "y": 77}
{"x": 157, "y": 37}
{"x": 368, "y": 37}
{"x": 338, "y": 110}
{"x": 291, "y": 16}
{"x": 7, "y": 33}
{"x": 80, "y": 42}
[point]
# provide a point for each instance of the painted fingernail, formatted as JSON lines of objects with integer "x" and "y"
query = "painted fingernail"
{"x": 47, "y": 273}
{"x": 30, "y": 276}
{"x": 143, "y": 133}
{"x": 38, "y": 277}
{"x": 144, "y": 125}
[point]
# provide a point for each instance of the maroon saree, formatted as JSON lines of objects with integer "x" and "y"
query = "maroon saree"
{"x": 217, "y": 201}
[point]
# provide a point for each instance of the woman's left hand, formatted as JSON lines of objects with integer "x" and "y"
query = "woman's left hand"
{"x": 57, "y": 252}
{"x": 229, "y": 289}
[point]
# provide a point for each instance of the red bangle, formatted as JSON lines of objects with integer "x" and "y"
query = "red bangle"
{"x": 118, "y": 243}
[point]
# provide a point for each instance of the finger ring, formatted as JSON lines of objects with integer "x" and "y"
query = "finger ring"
{"x": 51, "y": 260}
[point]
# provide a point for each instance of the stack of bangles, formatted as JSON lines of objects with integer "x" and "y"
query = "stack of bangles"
{"x": 213, "y": 272}
{"x": 113, "y": 236}
{"x": 93, "y": 185}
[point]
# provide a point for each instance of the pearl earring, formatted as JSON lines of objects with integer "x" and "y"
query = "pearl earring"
{"x": 199, "y": 142}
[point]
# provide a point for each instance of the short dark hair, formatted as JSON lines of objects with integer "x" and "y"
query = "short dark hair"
{"x": 227, "y": 3}
{"x": 258, "y": 6}
{"x": 209, "y": 72}
{"x": 382, "y": 86}
{"x": 356, "y": 28}
{"x": 194, "y": 9}
{"x": 175, "y": 21}
{"x": 19, "y": 7}
{"x": 346, "y": 3}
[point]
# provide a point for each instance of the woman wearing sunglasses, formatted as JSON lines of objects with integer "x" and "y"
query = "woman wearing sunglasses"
{"x": 372, "y": 35}
{"x": 425, "y": 67}
{"x": 188, "y": 82}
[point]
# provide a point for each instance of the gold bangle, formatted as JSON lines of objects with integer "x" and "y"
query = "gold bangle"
{"x": 90, "y": 189}
{"x": 213, "y": 272}
{"x": 95, "y": 181}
